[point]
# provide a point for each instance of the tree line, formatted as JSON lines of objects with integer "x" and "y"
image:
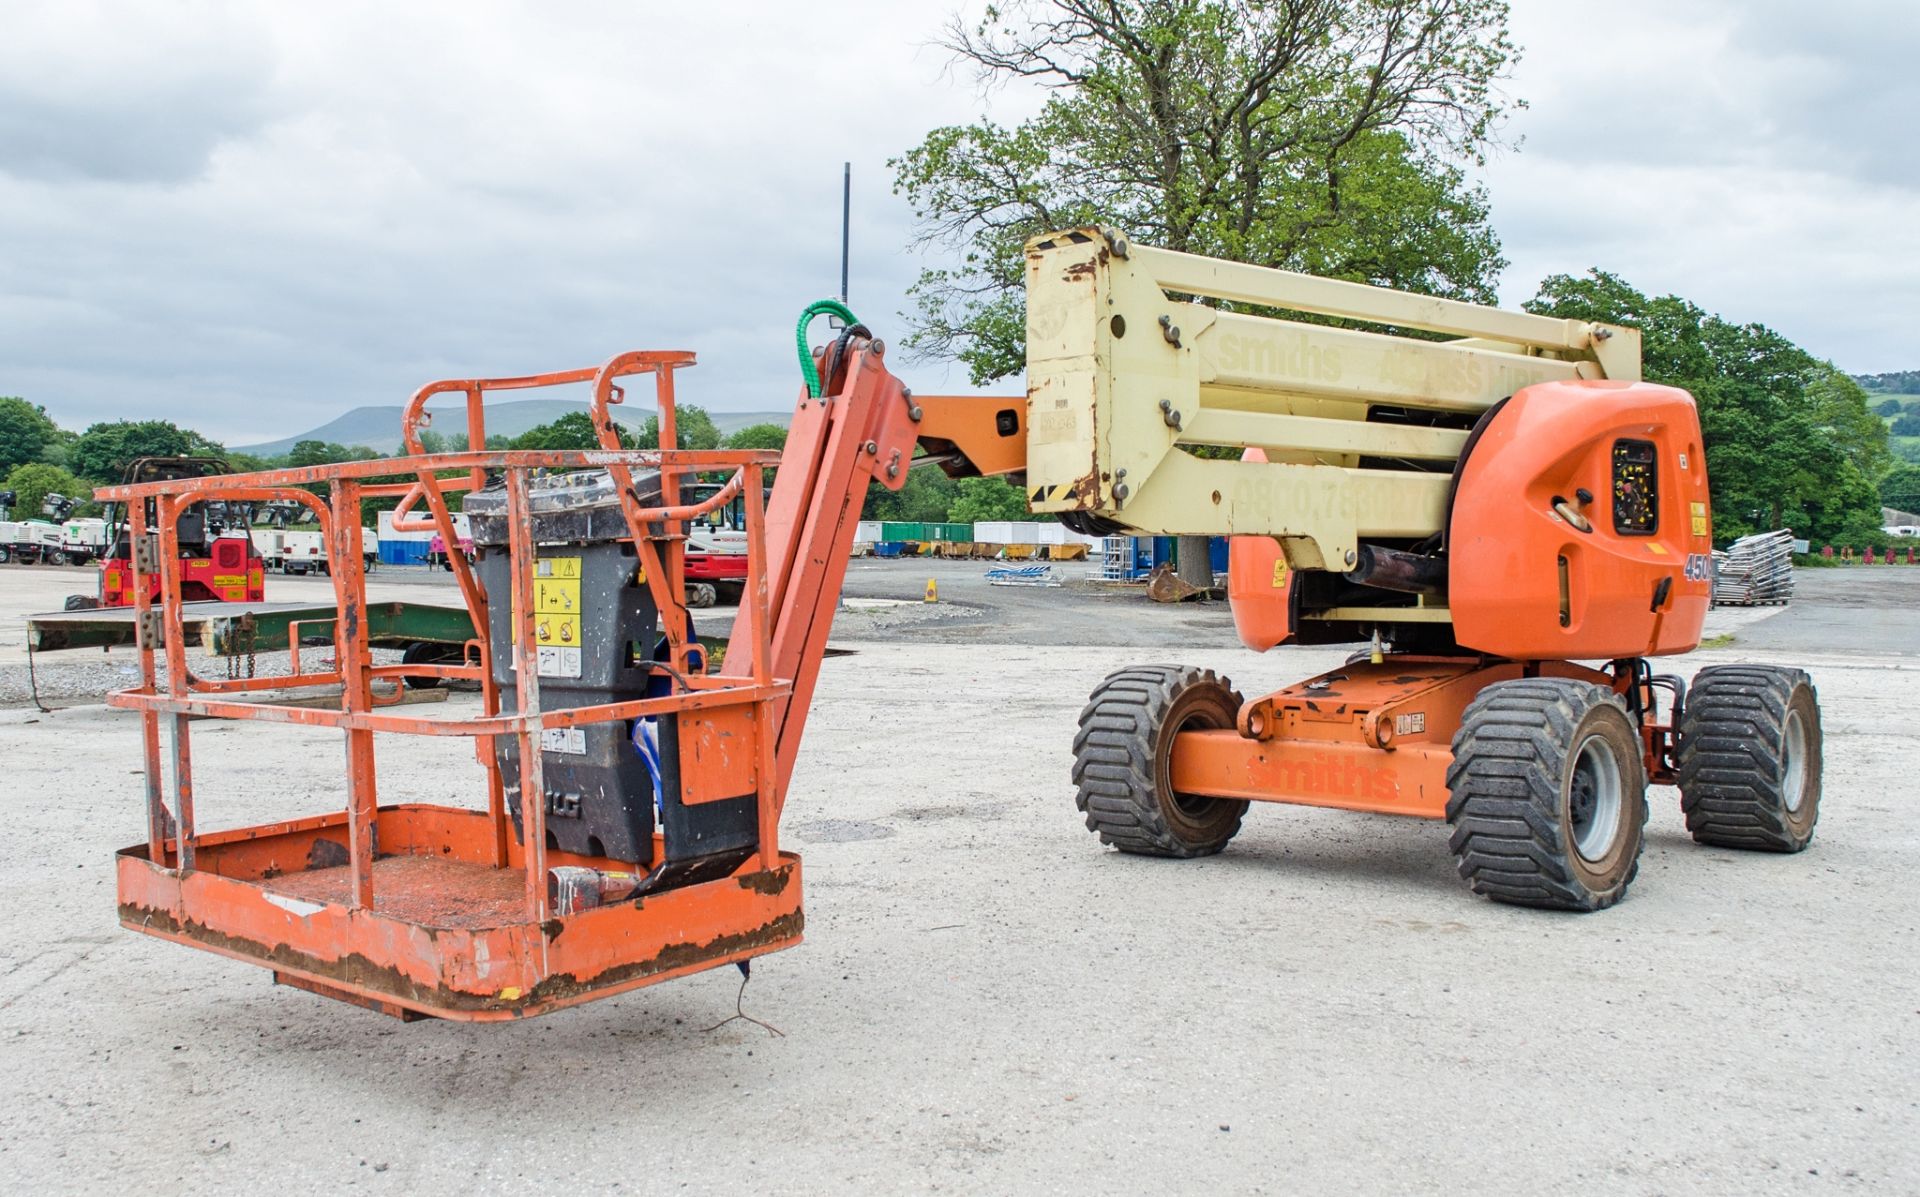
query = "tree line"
{"x": 1899, "y": 382}
{"x": 37, "y": 458}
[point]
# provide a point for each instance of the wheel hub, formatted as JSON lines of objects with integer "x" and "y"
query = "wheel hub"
{"x": 1793, "y": 767}
{"x": 1594, "y": 797}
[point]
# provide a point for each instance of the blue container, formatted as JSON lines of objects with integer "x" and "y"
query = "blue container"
{"x": 403, "y": 552}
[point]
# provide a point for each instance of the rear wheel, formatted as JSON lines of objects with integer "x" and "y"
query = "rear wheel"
{"x": 1123, "y": 758}
{"x": 1548, "y": 795}
{"x": 1750, "y": 758}
{"x": 701, "y": 594}
{"x": 6, "y": 554}
{"x": 57, "y": 557}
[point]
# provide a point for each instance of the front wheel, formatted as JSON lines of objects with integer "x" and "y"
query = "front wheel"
{"x": 1749, "y": 761}
{"x": 57, "y": 557}
{"x": 1548, "y": 797}
{"x": 1123, "y": 761}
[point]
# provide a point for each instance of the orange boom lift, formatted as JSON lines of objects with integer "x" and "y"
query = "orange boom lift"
{"x": 1510, "y": 518}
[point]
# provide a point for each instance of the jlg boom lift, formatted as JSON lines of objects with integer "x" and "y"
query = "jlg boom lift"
{"x": 1485, "y": 510}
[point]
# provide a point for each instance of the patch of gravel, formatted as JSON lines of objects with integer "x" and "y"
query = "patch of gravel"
{"x": 88, "y": 675}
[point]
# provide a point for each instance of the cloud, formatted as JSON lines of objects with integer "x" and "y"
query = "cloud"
{"x": 440, "y": 191}
{"x": 1748, "y": 156}
{"x": 126, "y": 95}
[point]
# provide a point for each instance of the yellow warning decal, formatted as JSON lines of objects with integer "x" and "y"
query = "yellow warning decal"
{"x": 230, "y": 580}
{"x": 1699, "y": 519}
{"x": 556, "y": 602}
{"x": 1280, "y": 574}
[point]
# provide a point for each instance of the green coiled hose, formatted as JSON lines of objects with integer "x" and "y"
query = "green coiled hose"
{"x": 819, "y": 307}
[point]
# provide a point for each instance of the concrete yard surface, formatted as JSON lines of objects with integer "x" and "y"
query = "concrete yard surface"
{"x": 990, "y": 1002}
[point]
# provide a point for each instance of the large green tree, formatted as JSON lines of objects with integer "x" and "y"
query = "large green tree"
{"x": 1319, "y": 135}
{"x": 571, "y": 431}
{"x": 26, "y": 432}
{"x": 317, "y": 452}
{"x": 693, "y": 428}
{"x": 987, "y": 499}
{"x": 758, "y": 436}
{"x": 1790, "y": 441}
{"x": 1900, "y": 489}
{"x": 34, "y": 481}
{"x": 927, "y": 494}
{"x": 102, "y": 452}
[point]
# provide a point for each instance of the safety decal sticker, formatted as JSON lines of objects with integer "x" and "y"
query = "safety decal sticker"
{"x": 556, "y": 617}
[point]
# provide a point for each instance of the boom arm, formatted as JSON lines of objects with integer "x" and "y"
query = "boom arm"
{"x": 1358, "y": 428}
{"x": 863, "y": 428}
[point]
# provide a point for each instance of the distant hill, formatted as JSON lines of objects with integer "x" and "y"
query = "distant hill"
{"x": 379, "y": 427}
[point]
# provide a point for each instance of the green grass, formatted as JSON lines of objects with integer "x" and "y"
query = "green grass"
{"x": 1723, "y": 640}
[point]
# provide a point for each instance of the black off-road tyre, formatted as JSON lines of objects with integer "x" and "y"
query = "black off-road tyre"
{"x": 1750, "y": 757}
{"x": 1122, "y": 761}
{"x": 1548, "y": 797}
{"x": 82, "y": 602}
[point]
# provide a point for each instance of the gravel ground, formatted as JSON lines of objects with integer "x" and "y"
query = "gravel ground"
{"x": 1845, "y": 611}
{"x": 990, "y": 1002}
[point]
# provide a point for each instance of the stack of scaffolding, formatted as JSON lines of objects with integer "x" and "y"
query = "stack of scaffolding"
{"x": 1755, "y": 570}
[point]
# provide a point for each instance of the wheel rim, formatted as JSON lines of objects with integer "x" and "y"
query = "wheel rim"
{"x": 1793, "y": 763}
{"x": 1194, "y": 810}
{"x": 1194, "y": 806}
{"x": 1594, "y": 796}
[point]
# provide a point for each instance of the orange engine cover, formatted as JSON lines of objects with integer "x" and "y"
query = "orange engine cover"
{"x": 1526, "y": 582}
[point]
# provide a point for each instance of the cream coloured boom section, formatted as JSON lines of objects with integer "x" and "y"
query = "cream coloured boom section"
{"x": 1120, "y": 375}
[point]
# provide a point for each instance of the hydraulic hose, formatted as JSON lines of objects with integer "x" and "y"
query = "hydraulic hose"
{"x": 830, "y": 307}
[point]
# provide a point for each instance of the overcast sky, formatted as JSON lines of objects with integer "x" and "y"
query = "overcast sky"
{"x": 250, "y": 217}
